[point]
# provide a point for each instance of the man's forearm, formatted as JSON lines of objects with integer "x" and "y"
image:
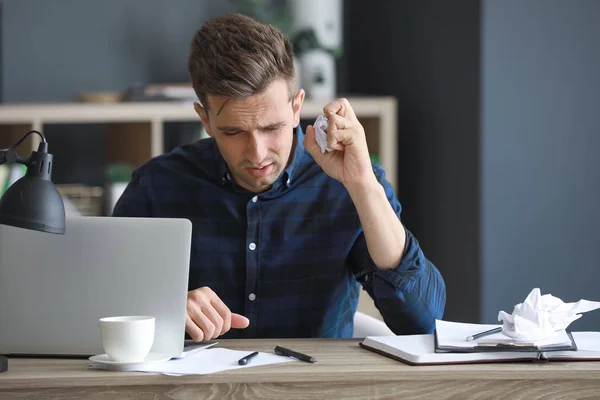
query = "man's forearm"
{"x": 384, "y": 233}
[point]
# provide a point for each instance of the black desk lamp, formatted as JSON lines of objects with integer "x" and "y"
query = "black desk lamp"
{"x": 32, "y": 202}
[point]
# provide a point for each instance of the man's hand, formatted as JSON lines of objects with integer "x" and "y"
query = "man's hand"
{"x": 208, "y": 317}
{"x": 349, "y": 163}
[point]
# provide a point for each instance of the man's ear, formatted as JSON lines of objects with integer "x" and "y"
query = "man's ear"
{"x": 297, "y": 106}
{"x": 203, "y": 114}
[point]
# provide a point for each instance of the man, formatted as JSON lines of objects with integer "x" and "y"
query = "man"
{"x": 284, "y": 235}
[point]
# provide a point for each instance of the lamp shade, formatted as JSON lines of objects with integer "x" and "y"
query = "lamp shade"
{"x": 33, "y": 202}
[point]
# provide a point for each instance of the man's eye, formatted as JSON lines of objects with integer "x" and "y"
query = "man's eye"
{"x": 231, "y": 133}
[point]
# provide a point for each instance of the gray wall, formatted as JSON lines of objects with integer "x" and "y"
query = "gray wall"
{"x": 499, "y": 132}
{"x": 54, "y": 49}
{"x": 426, "y": 53}
{"x": 540, "y": 143}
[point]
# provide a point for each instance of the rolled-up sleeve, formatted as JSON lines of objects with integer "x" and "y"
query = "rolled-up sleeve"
{"x": 411, "y": 296}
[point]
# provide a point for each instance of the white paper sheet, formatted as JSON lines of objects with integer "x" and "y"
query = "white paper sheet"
{"x": 190, "y": 347}
{"x": 587, "y": 341}
{"x": 204, "y": 362}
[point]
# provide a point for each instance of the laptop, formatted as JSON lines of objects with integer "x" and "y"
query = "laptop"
{"x": 55, "y": 288}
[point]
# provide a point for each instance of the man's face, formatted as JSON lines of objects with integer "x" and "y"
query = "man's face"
{"x": 254, "y": 135}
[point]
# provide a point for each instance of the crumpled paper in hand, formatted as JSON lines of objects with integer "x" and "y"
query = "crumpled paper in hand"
{"x": 320, "y": 126}
{"x": 540, "y": 317}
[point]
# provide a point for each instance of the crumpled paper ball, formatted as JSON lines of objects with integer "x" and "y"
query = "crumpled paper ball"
{"x": 540, "y": 317}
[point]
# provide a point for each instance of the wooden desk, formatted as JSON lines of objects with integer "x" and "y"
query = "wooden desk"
{"x": 344, "y": 370}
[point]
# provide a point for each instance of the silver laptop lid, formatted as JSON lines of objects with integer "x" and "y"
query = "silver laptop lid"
{"x": 54, "y": 288}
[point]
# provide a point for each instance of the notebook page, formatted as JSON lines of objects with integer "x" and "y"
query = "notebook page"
{"x": 455, "y": 334}
{"x": 587, "y": 341}
{"x": 419, "y": 349}
{"x": 588, "y": 346}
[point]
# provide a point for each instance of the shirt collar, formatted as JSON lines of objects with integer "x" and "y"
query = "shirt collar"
{"x": 222, "y": 169}
{"x": 286, "y": 177}
{"x": 288, "y": 173}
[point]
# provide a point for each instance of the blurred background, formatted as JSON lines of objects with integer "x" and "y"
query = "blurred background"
{"x": 493, "y": 132}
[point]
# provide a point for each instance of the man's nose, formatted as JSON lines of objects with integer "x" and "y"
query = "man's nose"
{"x": 257, "y": 148}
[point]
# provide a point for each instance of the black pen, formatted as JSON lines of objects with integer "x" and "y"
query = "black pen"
{"x": 246, "y": 360}
{"x": 482, "y": 334}
{"x": 282, "y": 351}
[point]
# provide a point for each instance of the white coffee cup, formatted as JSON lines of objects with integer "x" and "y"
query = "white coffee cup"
{"x": 127, "y": 338}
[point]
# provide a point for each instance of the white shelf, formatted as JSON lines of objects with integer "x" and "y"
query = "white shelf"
{"x": 145, "y": 122}
{"x": 137, "y": 112}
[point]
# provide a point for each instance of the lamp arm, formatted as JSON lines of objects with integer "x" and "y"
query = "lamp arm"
{"x": 7, "y": 155}
{"x": 10, "y": 155}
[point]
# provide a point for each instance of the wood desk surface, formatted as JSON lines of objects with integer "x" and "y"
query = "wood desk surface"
{"x": 343, "y": 370}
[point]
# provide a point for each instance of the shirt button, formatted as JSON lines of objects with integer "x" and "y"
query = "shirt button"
{"x": 289, "y": 181}
{"x": 254, "y": 199}
{"x": 252, "y": 246}
{"x": 252, "y": 297}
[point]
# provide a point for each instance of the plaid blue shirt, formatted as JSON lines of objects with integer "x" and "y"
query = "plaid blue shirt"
{"x": 291, "y": 259}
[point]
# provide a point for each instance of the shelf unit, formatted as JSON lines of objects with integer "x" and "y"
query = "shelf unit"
{"x": 135, "y": 130}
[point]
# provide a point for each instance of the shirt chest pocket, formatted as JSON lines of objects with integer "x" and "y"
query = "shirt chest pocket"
{"x": 318, "y": 234}
{"x": 217, "y": 254}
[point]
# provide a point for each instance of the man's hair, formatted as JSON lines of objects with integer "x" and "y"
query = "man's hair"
{"x": 236, "y": 56}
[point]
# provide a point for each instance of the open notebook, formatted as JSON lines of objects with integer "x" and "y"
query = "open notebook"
{"x": 420, "y": 350}
{"x": 452, "y": 337}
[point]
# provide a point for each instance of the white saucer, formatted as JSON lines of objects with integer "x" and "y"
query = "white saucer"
{"x": 150, "y": 359}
